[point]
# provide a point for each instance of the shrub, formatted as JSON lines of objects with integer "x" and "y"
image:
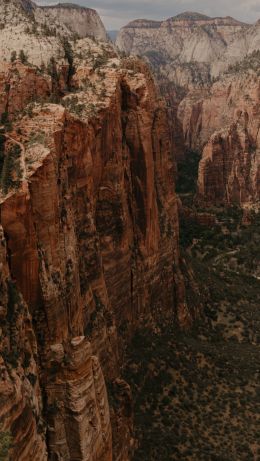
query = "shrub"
{"x": 23, "y": 57}
{"x": 5, "y": 445}
{"x": 11, "y": 169}
{"x": 13, "y": 56}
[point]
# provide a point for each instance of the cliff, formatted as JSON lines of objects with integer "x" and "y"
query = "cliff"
{"x": 21, "y": 418}
{"x": 77, "y": 19}
{"x": 223, "y": 122}
{"x": 190, "y": 48}
{"x": 39, "y": 32}
{"x": 207, "y": 69}
{"x": 90, "y": 219}
{"x": 229, "y": 172}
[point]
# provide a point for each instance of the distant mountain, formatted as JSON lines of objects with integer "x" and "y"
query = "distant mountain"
{"x": 190, "y": 44}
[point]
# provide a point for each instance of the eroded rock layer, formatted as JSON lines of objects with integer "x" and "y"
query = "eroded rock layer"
{"x": 21, "y": 422}
{"x": 208, "y": 71}
{"x": 90, "y": 218}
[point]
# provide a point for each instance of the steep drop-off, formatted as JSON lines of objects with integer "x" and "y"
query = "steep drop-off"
{"x": 90, "y": 220}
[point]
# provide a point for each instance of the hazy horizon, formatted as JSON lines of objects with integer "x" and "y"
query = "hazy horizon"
{"x": 116, "y": 14}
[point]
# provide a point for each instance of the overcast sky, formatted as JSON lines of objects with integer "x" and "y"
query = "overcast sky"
{"x": 116, "y": 13}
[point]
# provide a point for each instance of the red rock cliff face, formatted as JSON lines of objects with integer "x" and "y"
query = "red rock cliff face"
{"x": 92, "y": 241}
{"x": 223, "y": 122}
{"x": 230, "y": 166}
{"x": 20, "y": 396}
{"x": 229, "y": 171}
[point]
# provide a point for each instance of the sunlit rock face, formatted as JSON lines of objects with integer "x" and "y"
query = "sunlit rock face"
{"x": 190, "y": 48}
{"x": 40, "y": 31}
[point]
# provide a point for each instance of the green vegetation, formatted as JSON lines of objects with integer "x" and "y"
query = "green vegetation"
{"x": 11, "y": 172}
{"x": 2, "y": 151}
{"x": 187, "y": 173}
{"x": 69, "y": 56}
{"x": 73, "y": 105}
{"x": 100, "y": 61}
{"x": 5, "y": 445}
{"x": 11, "y": 352}
{"x": 48, "y": 31}
{"x": 52, "y": 69}
{"x": 23, "y": 57}
{"x": 13, "y": 56}
{"x": 13, "y": 301}
{"x": 37, "y": 138}
{"x": 250, "y": 62}
{"x": 195, "y": 392}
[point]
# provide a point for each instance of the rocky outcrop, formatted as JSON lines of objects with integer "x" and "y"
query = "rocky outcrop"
{"x": 90, "y": 217}
{"x": 229, "y": 172}
{"x": 203, "y": 112}
{"x": 229, "y": 169}
{"x": 20, "y": 85}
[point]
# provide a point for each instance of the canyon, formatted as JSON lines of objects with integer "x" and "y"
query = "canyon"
{"x": 208, "y": 70}
{"x": 119, "y": 269}
{"x": 197, "y": 389}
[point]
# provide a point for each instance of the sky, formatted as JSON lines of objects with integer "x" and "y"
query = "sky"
{"x": 117, "y": 13}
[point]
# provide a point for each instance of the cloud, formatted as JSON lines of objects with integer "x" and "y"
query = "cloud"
{"x": 116, "y": 13}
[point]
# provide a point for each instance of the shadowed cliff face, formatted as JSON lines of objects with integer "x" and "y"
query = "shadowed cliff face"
{"x": 229, "y": 171}
{"x": 21, "y": 403}
{"x": 90, "y": 219}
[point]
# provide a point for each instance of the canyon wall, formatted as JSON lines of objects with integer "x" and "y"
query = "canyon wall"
{"x": 208, "y": 71}
{"x": 21, "y": 421}
{"x": 190, "y": 48}
{"x": 84, "y": 22}
{"x": 90, "y": 220}
{"x": 223, "y": 123}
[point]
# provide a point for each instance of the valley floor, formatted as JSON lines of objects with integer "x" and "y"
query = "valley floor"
{"x": 196, "y": 393}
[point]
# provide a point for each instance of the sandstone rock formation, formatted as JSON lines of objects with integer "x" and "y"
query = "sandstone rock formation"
{"x": 84, "y": 22}
{"x": 223, "y": 122}
{"x": 40, "y": 31}
{"x": 89, "y": 214}
{"x": 20, "y": 395}
{"x": 190, "y": 48}
{"x": 208, "y": 70}
{"x": 229, "y": 171}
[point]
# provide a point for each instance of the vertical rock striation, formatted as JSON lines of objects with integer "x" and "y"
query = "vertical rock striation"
{"x": 90, "y": 218}
{"x": 21, "y": 418}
